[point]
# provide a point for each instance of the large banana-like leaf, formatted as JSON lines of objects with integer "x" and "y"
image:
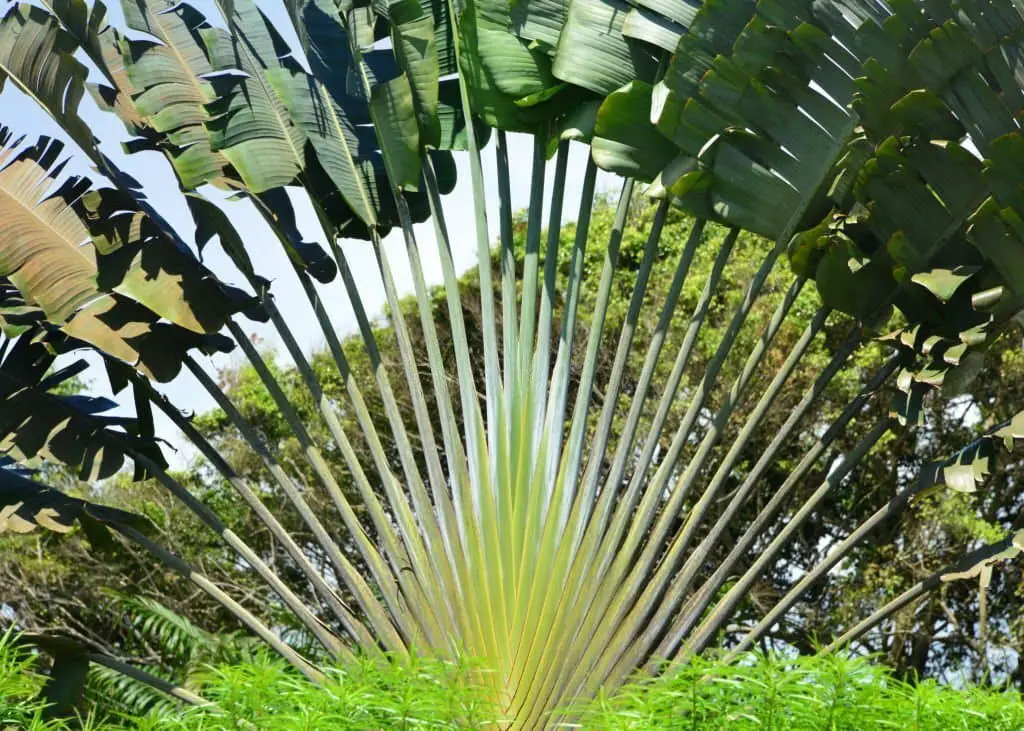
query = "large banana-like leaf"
{"x": 47, "y": 258}
{"x": 593, "y": 53}
{"x": 738, "y": 114}
{"x": 167, "y": 86}
{"x": 259, "y": 122}
{"x": 416, "y": 53}
{"x": 332, "y": 104}
{"x": 36, "y": 55}
{"x": 333, "y": 136}
{"x": 109, "y": 286}
{"x": 262, "y": 121}
{"x": 135, "y": 259}
{"x": 102, "y": 44}
{"x": 619, "y": 142}
{"x": 249, "y": 123}
{"x": 501, "y": 70}
{"x": 26, "y": 505}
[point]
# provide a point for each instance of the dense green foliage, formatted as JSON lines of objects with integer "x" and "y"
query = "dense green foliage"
{"x": 811, "y": 693}
{"x": 820, "y": 693}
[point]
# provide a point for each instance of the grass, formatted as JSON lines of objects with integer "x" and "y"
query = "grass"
{"x": 826, "y": 692}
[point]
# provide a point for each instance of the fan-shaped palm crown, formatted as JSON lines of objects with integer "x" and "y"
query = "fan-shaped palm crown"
{"x": 876, "y": 144}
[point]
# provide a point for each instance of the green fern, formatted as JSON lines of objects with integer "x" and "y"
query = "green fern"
{"x": 184, "y": 650}
{"x": 125, "y": 697}
{"x": 175, "y": 635}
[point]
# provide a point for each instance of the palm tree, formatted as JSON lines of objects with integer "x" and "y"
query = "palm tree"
{"x": 875, "y": 143}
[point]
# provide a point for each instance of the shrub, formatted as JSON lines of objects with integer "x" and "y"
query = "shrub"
{"x": 819, "y": 692}
{"x": 813, "y": 693}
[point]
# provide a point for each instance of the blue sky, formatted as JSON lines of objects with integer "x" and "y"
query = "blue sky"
{"x": 25, "y": 118}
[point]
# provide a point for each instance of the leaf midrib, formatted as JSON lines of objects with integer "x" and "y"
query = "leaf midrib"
{"x": 356, "y": 173}
{"x": 275, "y": 103}
{"x": 191, "y": 75}
{"x": 33, "y": 210}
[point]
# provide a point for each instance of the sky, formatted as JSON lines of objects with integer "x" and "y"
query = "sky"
{"x": 24, "y": 117}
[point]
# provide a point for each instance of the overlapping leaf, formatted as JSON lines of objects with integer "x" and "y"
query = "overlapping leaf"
{"x": 764, "y": 103}
{"x": 625, "y": 141}
{"x": 167, "y": 85}
{"x": 938, "y": 103}
{"x": 249, "y": 124}
{"x": 505, "y": 77}
{"x": 36, "y": 55}
{"x": 107, "y": 286}
{"x": 332, "y": 107}
{"x": 70, "y": 430}
{"x": 26, "y": 505}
